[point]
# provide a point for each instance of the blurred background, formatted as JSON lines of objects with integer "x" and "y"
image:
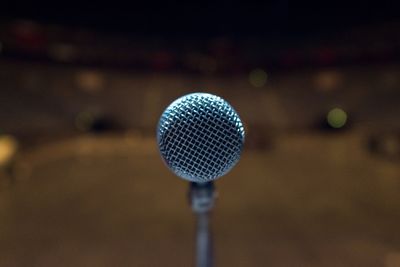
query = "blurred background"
{"x": 81, "y": 91}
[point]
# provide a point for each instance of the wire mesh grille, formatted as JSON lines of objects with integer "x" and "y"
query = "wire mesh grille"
{"x": 200, "y": 137}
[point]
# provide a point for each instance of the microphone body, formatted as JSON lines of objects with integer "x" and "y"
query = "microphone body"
{"x": 200, "y": 138}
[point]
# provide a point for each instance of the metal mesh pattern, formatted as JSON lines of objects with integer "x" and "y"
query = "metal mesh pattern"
{"x": 200, "y": 137}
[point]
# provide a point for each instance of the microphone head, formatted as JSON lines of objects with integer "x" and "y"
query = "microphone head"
{"x": 200, "y": 137}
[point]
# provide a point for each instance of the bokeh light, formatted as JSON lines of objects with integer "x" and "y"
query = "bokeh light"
{"x": 336, "y": 118}
{"x": 89, "y": 81}
{"x": 258, "y": 77}
{"x": 8, "y": 148}
{"x": 326, "y": 81}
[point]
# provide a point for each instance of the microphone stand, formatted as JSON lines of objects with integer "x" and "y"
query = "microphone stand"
{"x": 201, "y": 197}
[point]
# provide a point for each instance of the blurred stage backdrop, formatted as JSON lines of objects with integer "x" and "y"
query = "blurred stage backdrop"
{"x": 81, "y": 180}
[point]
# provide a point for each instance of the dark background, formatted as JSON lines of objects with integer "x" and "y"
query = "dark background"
{"x": 182, "y": 19}
{"x": 82, "y": 86}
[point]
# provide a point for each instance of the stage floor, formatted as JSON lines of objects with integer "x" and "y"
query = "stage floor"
{"x": 310, "y": 200}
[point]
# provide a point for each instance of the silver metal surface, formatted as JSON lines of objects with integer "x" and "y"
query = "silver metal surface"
{"x": 200, "y": 137}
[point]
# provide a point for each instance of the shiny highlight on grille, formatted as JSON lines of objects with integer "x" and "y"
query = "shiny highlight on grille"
{"x": 200, "y": 137}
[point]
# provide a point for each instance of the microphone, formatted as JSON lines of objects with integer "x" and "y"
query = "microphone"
{"x": 200, "y": 138}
